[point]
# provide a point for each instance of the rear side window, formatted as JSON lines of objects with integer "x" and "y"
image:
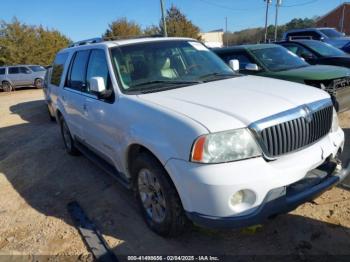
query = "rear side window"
{"x": 24, "y": 70}
{"x": 13, "y": 70}
{"x": 2, "y": 71}
{"x": 57, "y": 69}
{"x": 76, "y": 78}
{"x": 97, "y": 67}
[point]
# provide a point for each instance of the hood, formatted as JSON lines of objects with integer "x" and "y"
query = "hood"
{"x": 338, "y": 42}
{"x": 312, "y": 72}
{"x": 235, "y": 103}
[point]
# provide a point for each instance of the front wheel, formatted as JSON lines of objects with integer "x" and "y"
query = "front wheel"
{"x": 157, "y": 197}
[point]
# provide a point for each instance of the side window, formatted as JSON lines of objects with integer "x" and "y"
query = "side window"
{"x": 24, "y": 70}
{"x": 2, "y": 71}
{"x": 57, "y": 68}
{"x": 299, "y": 50}
{"x": 76, "y": 79}
{"x": 13, "y": 70}
{"x": 97, "y": 67}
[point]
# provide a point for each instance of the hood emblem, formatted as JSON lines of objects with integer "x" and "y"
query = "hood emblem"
{"x": 307, "y": 114}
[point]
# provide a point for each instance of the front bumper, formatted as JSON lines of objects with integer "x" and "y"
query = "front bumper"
{"x": 206, "y": 190}
{"x": 280, "y": 200}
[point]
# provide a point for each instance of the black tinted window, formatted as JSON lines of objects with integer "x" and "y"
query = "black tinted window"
{"x": 97, "y": 67}
{"x": 24, "y": 70}
{"x": 78, "y": 70}
{"x": 2, "y": 71}
{"x": 57, "y": 69}
{"x": 13, "y": 70}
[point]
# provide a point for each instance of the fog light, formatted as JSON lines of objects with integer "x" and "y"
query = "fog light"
{"x": 237, "y": 198}
{"x": 242, "y": 200}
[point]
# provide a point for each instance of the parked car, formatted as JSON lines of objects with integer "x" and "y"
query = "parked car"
{"x": 12, "y": 77}
{"x": 46, "y": 90}
{"x": 193, "y": 139}
{"x": 328, "y": 35}
{"x": 275, "y": 61}
{"x": 317, "y": 53}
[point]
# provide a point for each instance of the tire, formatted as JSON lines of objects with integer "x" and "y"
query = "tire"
{"x": 38, "y": 83}
{"x": 159, "y": 202}
{"x": 68, "y": 140}
{"x": 7, "y": 87}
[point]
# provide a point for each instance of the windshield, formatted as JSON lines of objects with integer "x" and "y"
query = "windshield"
{"x": 331, "y": 33}
{"x": 157, "y": 66}
{"x": 278, "y": 58}
{"x": 324, "y": 49}
{"x": 37, "y": 68}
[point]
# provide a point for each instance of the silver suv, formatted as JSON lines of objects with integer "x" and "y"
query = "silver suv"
{"x": 12, "y": 77}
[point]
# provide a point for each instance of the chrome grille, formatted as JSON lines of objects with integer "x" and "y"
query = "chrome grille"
{"x": 287, "y": 136}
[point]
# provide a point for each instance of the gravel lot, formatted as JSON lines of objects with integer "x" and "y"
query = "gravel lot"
{"x": 38, "y": 179}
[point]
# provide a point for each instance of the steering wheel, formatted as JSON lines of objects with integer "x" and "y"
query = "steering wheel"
{"x": 191, "y": 67}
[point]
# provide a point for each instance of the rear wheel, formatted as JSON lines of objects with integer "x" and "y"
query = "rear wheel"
{"x": 6, "y": 86}
{"x": 157, "y": 197}
{"x": 67, "y": 139}
{"x": 38, "y": 83}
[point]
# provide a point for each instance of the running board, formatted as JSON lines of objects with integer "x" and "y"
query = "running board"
{"x": 103, "y": 164}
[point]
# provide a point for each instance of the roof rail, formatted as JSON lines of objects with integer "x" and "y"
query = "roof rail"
{"x": 111, "y": 38}
{"x": 87, "y": 41}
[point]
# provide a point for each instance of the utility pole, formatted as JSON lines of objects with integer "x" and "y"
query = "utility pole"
{"x": 165, "y": 34}
{"x": 278, "y": 4}
{"x": 342, "y": 18}
{"x": 226, "y": 31}
{"x": 268, "y": 2}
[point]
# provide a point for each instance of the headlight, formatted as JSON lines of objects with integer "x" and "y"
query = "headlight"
{"x": 225, "y": 147}
{"x": 335, "y": 123}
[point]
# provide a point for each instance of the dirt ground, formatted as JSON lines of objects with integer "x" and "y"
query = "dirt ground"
{"x": 38, "y": 179}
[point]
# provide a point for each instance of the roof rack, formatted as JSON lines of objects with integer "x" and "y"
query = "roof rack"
{"x": 100, "y": 39}
{"x": 87, "y": 41}
{"x": 130, "y": 37}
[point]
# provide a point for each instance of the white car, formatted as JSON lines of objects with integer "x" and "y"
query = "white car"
{"x": 194, "y": 140}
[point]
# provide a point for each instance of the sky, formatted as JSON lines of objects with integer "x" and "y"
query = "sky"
{"x": 82, "y": 19}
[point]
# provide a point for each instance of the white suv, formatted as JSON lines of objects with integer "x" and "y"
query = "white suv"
{"x": 195, "y": 141}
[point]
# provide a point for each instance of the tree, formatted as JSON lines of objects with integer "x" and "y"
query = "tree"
{"x": 122, "y": 28}
{"x": 256, "y": 35}
{"x": 178, "y": 24}
{"x": 24, "y": 44}
{"x": 152, "y": 30}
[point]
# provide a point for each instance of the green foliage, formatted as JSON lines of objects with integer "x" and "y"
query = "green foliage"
{"x": 179, "y": 25}
{"x": 122, "y": 28}
{"x": 152, "y": 30}
{"x": 24, "y": 44}
{"x": 256, "y": 35}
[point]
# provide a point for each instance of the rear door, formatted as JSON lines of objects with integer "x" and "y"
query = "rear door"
{"x": 71, "y": 95}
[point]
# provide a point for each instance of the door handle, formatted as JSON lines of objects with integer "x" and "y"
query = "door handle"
{"x": 63, "y": 98}
{"x": 85, "y": 107}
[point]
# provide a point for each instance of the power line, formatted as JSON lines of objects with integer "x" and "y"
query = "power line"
{"x": 229, "y": 7}
{"x": 301, "y": 4}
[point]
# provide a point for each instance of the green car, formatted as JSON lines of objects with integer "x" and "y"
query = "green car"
{"x": 275, "y": 61}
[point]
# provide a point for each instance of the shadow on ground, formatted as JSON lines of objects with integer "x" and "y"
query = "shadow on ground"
{"x": 33, "y": 160}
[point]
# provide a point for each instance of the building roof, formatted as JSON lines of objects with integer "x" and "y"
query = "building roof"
{"x": 334, "y": 9}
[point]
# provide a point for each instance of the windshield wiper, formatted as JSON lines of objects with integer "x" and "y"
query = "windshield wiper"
{"x": 216, "y": 76}
{"x": 173, "y": 84}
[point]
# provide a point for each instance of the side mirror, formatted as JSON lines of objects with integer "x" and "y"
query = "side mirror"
{"x": 97, "y": 85}
{"x": 234, "y": 64}
{"x": 252, "y": 67}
